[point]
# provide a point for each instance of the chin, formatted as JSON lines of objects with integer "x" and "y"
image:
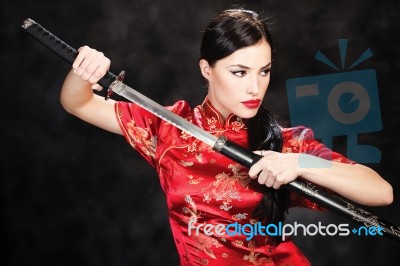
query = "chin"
{"x": 247, "y": 114}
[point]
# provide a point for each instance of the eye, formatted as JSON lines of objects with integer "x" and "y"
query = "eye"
{"x": 265, "y": 72}
{"x": 239, "y": 73}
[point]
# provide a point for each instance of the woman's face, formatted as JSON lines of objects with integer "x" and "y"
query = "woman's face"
{"x": 238, "y": 82}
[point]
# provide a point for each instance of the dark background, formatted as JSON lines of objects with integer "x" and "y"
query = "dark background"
{"x": 73, "y": 194}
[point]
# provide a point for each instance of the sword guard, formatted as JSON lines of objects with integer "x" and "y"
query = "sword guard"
{"x": 219, "y": 144}
{"x": 119, "y": 78}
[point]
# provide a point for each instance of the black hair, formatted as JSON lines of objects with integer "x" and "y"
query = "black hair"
{"x": 228, "y": 31}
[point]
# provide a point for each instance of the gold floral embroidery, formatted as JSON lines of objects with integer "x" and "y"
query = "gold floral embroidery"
{"x": 185, "y": 163}
{"x": 237, "y": 125}
{"x": 212, "y": 123}
{"x": 224, "y": 188}
{"x": 192, "y": 210}
{"x": 194, "y": 181}
{"x": 297, "y": 144}
{"x": 207, "y": 198}
{"x": 204, "y": 243}
{"x": 198, "y": 147}
{"x": 141, "y": 138}
{"x": 287, "y": 150}
{"x": 189, "y": 200}
{"x": 253, "y": 256}
{"x": 240, "y": 216}
{"x": 204, "y": 261}
{"x": 294, "y": 146}
{"x": 238, "y": 243}
{"x": 192, "y": 147}
{"x": 184, "y": 135}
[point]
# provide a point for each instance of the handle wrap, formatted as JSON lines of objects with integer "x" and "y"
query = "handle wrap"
{"x": 60, "y": 48}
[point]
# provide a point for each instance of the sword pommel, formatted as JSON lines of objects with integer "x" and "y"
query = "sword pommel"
{"x": 64, "y": 51}
{"x": 27, "y": 23}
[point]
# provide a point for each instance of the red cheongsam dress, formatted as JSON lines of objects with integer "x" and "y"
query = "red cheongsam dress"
{"x": 202, "y": 187}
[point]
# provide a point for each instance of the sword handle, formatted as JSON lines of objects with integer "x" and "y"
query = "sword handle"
{"x": 63, "y": 50}
{"x": 310, "y": 191}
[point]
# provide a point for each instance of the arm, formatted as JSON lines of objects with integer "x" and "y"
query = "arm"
{"x": 353, "y": 181}
{"x": 77, "y": 95}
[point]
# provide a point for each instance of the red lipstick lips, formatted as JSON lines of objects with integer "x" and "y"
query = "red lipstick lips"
{"x": 252, "y": 103}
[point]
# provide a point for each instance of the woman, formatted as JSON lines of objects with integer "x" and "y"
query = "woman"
{"x": 206, "y": 192}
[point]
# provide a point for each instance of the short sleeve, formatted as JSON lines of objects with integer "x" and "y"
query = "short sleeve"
{"x": 301, "y": 140}
{"x": 139, "y": 127}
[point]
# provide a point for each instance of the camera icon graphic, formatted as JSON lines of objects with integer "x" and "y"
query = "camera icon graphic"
{"x": 339, "y": 104}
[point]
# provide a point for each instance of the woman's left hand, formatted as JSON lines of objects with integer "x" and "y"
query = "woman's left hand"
{"x": 275, "y": 169}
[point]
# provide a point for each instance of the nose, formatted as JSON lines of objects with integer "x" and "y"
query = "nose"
{"x": 253, "y": 86}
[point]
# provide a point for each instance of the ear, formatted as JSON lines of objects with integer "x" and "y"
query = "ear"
{"x": 205, "y": 69}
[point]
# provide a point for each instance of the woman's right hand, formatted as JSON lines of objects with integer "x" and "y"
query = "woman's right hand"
{"x": 91, "y": 65}
{"x": 77, "y": 95}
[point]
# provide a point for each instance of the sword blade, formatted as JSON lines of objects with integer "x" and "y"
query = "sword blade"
{"x": 162, "y": 112}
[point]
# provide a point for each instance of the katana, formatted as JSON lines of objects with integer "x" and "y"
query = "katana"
{"x": 239, "y": 154}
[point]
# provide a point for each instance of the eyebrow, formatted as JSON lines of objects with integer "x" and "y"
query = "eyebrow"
{"x": 246, "y": 67}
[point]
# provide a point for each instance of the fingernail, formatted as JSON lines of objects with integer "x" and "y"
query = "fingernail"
{"x": 96, "y": 87}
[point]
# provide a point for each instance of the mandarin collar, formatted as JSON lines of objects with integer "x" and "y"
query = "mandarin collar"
{"x": 215, "y": 121}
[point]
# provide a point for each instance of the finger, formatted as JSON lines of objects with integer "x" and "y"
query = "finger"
{"x": 262, "y": 177}
{"x": 88, "y": 71}
{"x": 101, "y": 70}
{"x": 255, "y": 169}
{"x": 81, "y": 55}
{"x": 97, "y": 68}
{"x": 277, "y": 185}
{"x": 91, "y": 70}
{"x": 270, "y": 180}
{"x": 88, "y": 59}
{"x": 97, "y": 59}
